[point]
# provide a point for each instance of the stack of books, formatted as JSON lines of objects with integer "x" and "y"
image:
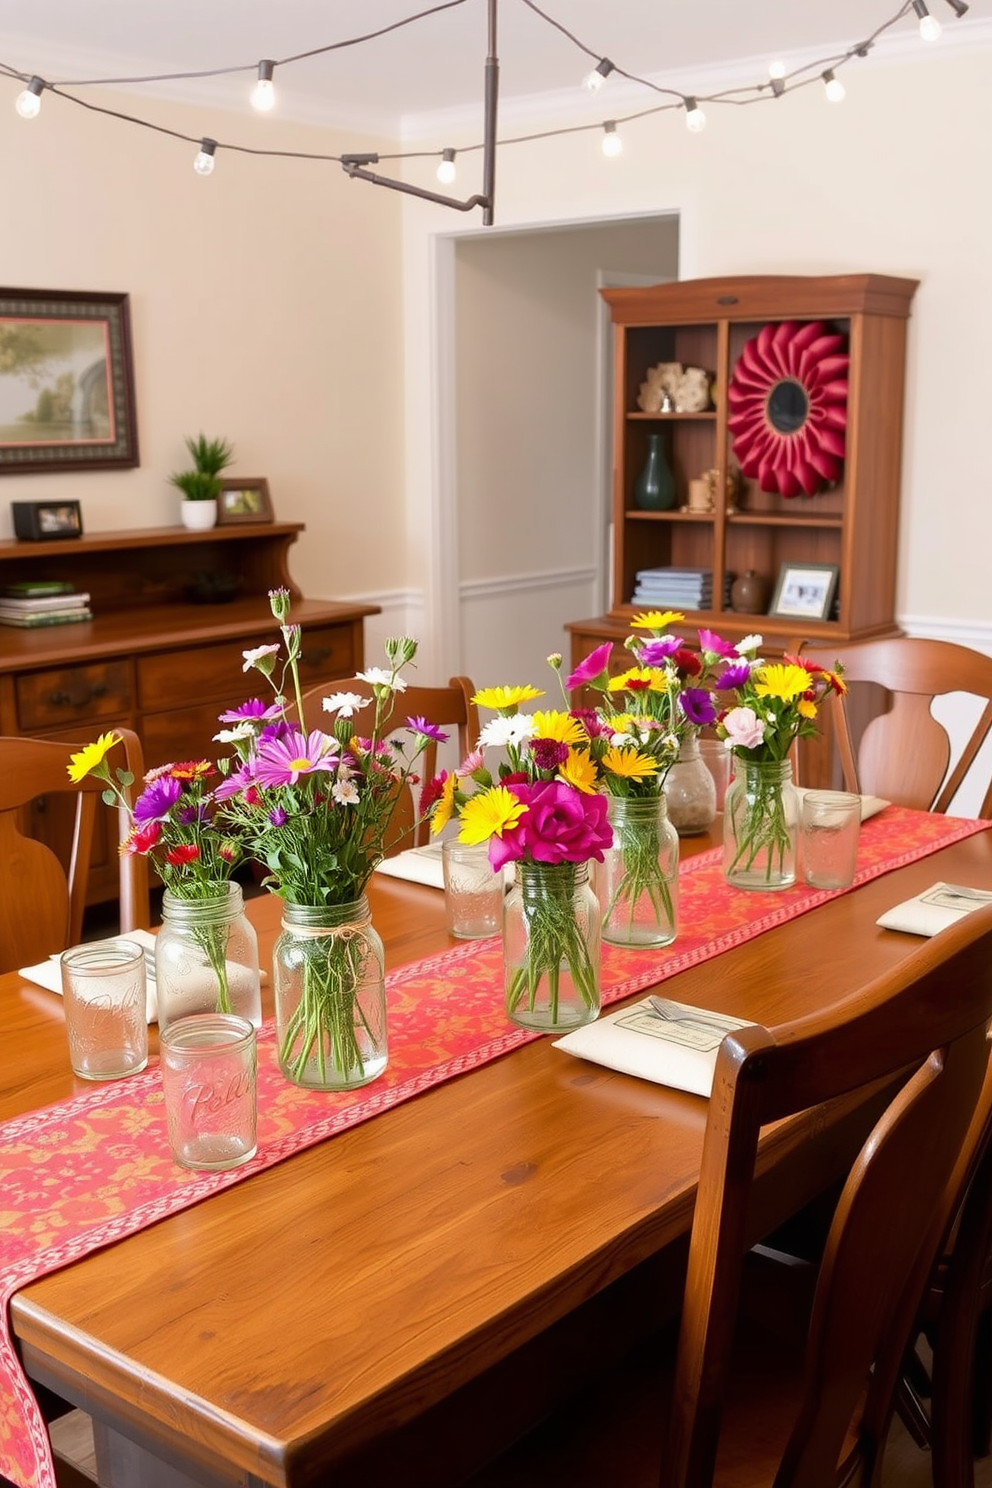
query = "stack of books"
{"x": 675, "y": 588}
{"x": 37, "y": 603}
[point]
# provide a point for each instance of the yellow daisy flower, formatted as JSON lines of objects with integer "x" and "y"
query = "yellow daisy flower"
{"x": 505, "y": 697}
{"x": 559, "y": 726}
{"x": 84, "y": 762}
{"x": 629, "y": 764}
{"x": 785, "y": 682}
{"x": 806, "y": 708}
{"x": 488, "y": 813}
{"x": 656, "y": 619}
{"x": 640, "y": 679}
{"x": 579, "y": 770}
{"x": 445, "y": 807}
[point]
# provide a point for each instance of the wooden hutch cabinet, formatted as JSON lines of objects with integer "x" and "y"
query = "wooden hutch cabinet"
{"x": 172, "y": 613}
{"x": 851, "y": 524}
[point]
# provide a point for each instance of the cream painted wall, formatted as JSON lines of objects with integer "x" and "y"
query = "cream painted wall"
{"x": 893, "y": 181}
{"x": 266, "y": 305}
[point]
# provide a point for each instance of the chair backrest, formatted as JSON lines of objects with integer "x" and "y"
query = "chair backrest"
{"x": 448, "y": 707}
{"x": 904, "y": 753}
{"x": 927, "y": 1017}
{"x": 41, "y": 901}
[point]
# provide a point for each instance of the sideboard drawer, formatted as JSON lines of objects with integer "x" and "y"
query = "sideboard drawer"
{"x": 327, "y": 652}
{"x": 171, "y": 679}
{"x": 58, "y": 698}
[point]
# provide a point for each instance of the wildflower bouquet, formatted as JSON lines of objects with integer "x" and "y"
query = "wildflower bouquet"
{"x": 316, "y": 809}
{"x": 543, "y": 812}
{"x": 776, "y": 703}
{"x": 176, "y": 824}
{"x": 648, "y": 711}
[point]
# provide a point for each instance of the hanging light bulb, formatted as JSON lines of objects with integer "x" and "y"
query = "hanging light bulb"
{"x": 958, "y": 7}
{"x": 263, "y": 95}
{"x": 695, "y": 119}
{"x": 835, "y": 89}
{"x": 612, "y": 144}
{"x": 594, "y": 80}
{"x": 930, "y": 27}
{"x": 446, "y": 170}
{"x": 28, "y": 103}
{"x": 204, "y": 162}
{"x": 776, "y": 69}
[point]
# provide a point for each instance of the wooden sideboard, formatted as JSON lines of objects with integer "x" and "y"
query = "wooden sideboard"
{"x": 161, "y": 655}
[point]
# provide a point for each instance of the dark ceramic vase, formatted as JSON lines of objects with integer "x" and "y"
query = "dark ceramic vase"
{"x": 654, "y": 488}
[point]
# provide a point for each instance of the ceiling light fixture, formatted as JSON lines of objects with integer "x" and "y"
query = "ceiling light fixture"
{"x": 263, "y": 95}
{"x": 695, "y": 119}
{"x": 776, "y": 69}
{"x": 612, "y": 144}
{"x": 958, "y": 7}
{"x": 778, "y": 87}
{"x": 446, "y": 170}
{"x": 594, "y": 80}
{"x": 28, "y": 103}
{"x": 835, "y": 89}
{"x": 205, "y": 162}
{"x": 930, "y": 27}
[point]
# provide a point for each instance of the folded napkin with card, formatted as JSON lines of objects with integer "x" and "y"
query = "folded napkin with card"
{"x": 418, "y": 865}
{"x": 870, "y": 805}
{"x": 936, "y": 909}
{"x": 48, "y": 974}
{"x": 667, "y": 1042}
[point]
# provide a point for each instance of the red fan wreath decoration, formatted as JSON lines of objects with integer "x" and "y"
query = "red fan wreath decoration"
{"x": 788, "y": 407}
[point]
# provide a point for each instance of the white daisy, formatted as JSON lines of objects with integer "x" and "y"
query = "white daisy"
{"x": 345, "y": 704}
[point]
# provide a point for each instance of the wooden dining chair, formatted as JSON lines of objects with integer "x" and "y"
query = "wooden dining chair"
{"x": 448, "y": 707}
{"x": 904, "y": 753}
{"x": 749, "y": 1411}
{"x": 41, "y": 900}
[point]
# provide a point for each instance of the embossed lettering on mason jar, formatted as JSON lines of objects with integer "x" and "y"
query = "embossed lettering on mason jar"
{"x": 208, "y": 1076}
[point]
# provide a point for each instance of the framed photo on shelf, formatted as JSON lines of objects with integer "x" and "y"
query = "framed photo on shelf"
{"x": 244, "y": 500}
{"x": 66, "y": 382}
{"x": 805, "y": 591}
{"x": 41, "y": 521}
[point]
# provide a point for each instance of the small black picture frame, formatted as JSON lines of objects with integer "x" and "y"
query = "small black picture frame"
{"x": 47, "y": 521}
{"x": 805, "y": 591}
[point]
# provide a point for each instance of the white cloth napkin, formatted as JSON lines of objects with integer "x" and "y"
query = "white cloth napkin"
{"x": 870, "y": 805}
{"x": 637, "y": 1042}
{"x": 48, "y": 974}
{"x": 418, "y": 864}
{"x": 935, "y": 909}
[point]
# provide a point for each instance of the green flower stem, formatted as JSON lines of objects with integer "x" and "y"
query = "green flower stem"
{"x": 322, "y": 1024}
{"x": 640, "y": 848}
{"x": 554, "y": 940}
{"x": 762, "y": 825}
{"x": 212, "y": 940}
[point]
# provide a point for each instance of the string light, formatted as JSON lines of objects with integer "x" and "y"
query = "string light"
{"x": 205, "y": 162}
{"x": 930, "y": 27}
{"x": 776, "y": 69}
{"x": 263, "y": 95}
{"x": 594, "y": 80}
{"x": 28, "y": 103}
{"x": 833, "y": 86}
{"x": 446, "y": 170}
{"x": 695, "y": 119}
{"x": 612, "y": 144}
{"x": 958, "y": 7}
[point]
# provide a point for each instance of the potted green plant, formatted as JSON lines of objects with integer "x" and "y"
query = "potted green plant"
{"x": 201, "y": 485}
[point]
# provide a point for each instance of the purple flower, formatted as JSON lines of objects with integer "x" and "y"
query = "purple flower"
{"x": 548, "y": 754}
{"x": 254, "y": 710}
{"x": 280, "y": 730}
{"x": 595, "y": 665}
{"x": 157, "y": 799}
{"x": 283, "y": 761}
{"x": 697, "y": 705}
{"x": 428, "y": 730}
{"x": 186, "y": 816}
{"x": 562, "y": 825}
{"x": 277, "y": 816}
{"x": 657, "y": 650}
{"x": 235, "y": 783}
{"x": 591, "y": 722}
{"x": 710, "y": 641}
{"x": 734, "y": 676}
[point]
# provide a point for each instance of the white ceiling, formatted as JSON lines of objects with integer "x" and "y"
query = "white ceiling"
{"x": 434, "y": 65}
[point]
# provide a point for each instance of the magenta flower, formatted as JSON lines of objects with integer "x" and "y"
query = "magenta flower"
{"x": 734, "y": 676}
{"x": 562, "y": 825}
{"x": 235, "y": 783}
{"x": 591, "y": 722}
{"x": 697, "y": 705}
{"x": 254, "y": 710}
{"x": 548, "y": 754}
{"x": 283, "y": 761}
{"x": 428, "y": 730}
{"x": 595, "y": 665}
{"x": 710, "y": 641}
{"x": 277, "y": 816}
{"x": 157, "y": 799}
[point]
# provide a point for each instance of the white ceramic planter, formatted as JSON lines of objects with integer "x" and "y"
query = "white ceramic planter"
{"x": 198, "y": 515}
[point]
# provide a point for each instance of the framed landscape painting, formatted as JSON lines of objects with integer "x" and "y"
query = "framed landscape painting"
{"x": 66, "y": 382}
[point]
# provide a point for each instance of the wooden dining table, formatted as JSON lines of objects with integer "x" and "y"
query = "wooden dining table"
{"x": 395, "y": 1304}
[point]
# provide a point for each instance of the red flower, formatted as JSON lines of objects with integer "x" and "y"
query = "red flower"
{"x": 191, "y": 770}
{"x": 687, "y": 662}
{"x": 182, "y": 853}
{"x": 142, "y": 839}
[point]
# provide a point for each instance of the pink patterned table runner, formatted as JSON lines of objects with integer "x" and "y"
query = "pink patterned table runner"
{"x": 91, "y": 1170}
